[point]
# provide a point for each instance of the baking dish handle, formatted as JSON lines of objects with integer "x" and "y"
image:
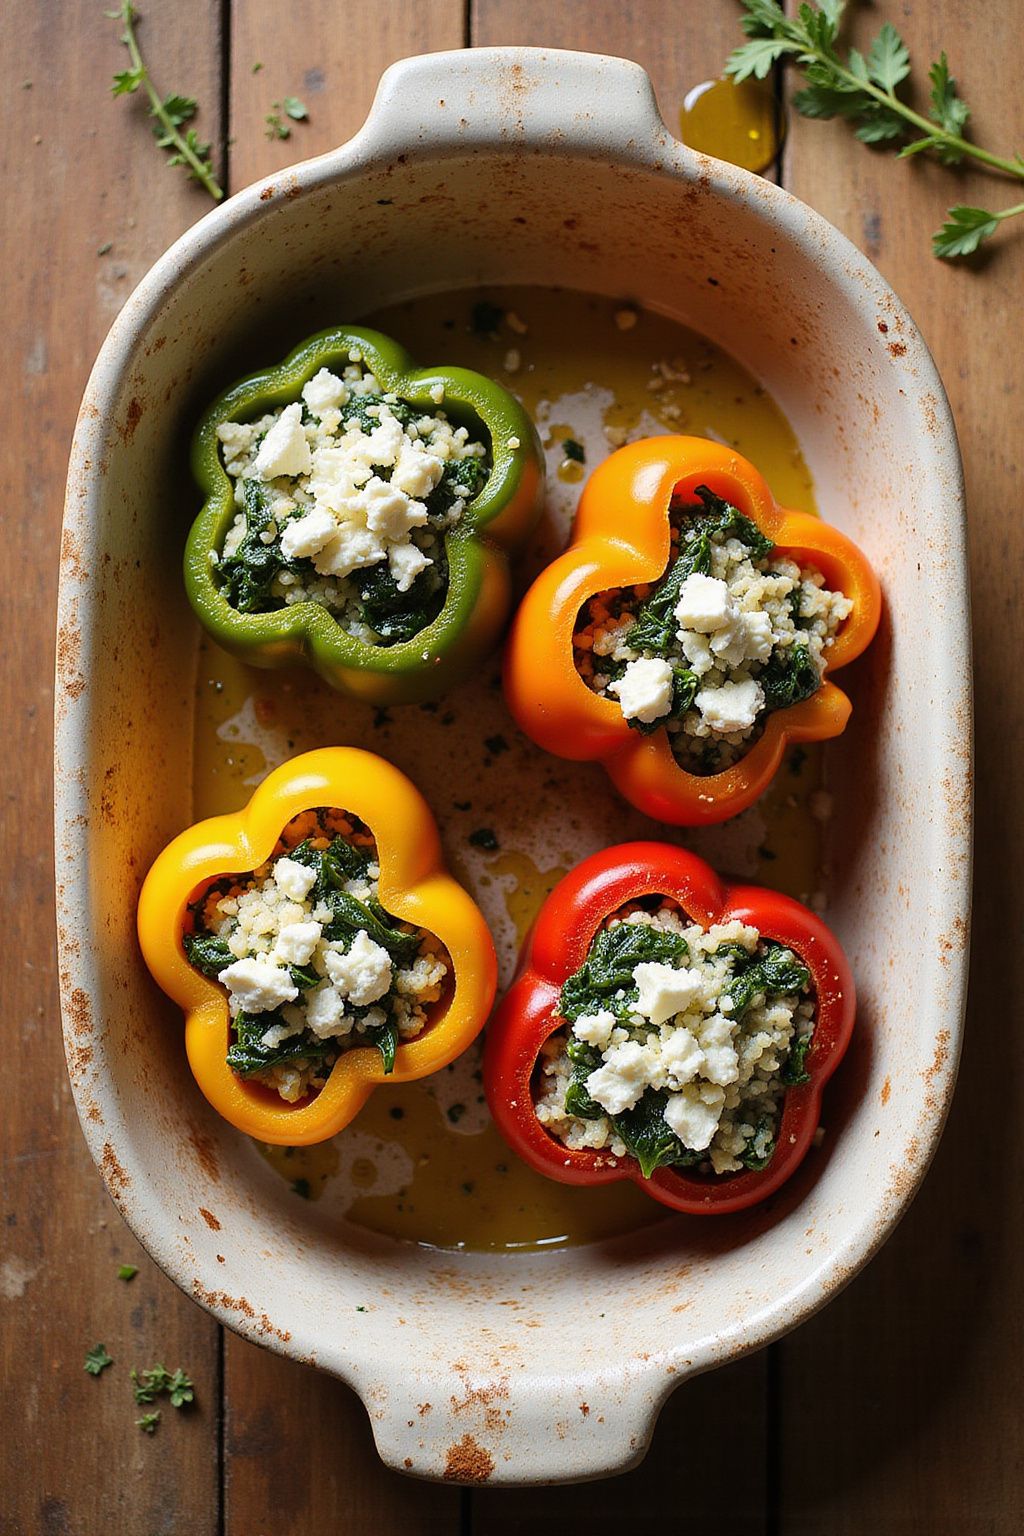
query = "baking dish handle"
{"x": 515, "y": 1430}
{"x": 498, "y": 95}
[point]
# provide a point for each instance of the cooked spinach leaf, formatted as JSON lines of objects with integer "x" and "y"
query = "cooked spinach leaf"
{"x": 247, "y": 1054}
{"x": 649, "y": 1138}
{"x": 605, "y": 979}
{"x": 349, "y": 915}
{"x": 584, "y": 1059}
{"x": 775, "y": 971}
{"x": 385, "y": 1038}
{"x": 462, "y": 480}
{"x": 365, "y": 409}
{"x": 794, "y": 1069}
{"x": 760, "y": 1149}
{"x": 788, "y": 677}
{"x": 654, "y": 630}
{"x": 207, "y": 952}
{"x": 395, "y": 615}
{"x": 334, "y": 865}
{"x": 247, "y": 576}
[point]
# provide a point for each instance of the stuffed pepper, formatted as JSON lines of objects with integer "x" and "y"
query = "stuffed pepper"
{"x": 688, "y": 632}
{"x": 669, "y": 1029}
{"x": 361, "y": 514}
{"x": 317, "y": 945}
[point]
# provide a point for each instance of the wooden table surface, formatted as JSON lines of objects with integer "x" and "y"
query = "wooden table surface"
{"x": 897, "y": 1410}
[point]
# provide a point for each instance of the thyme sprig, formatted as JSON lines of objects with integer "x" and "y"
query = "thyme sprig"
{"x": 863, "y": 89}
{"x": 170, "y": 113}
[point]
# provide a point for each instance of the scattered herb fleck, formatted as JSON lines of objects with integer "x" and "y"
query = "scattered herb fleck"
{"x": 456, "y": 1112}
{"x": 127, "y": 1271}
{"x": 169, "y": 113}
{"x": 495, "y": 745}
{"x": 484, "y": 837}
{"x": 151, "y": 1384}
{"x": 105, "y": 248}
{"x": 485, "y": 318}
{"x": 396, "y": 1112}
{"x": 295, "y": 109}
{"x": 97, "y": 1359}
{"x": 574, "y": 450}
{"x": 862, "y": 88}
{"x": 360, "y": 1309}
{"x": 257, "y": 67}
{"x": 301, "y": 1187}
{"x": 149, "y": 1422}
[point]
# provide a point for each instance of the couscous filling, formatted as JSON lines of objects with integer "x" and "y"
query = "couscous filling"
{"x": 679, "y": 1043}
{"x": 312, "y": 963}
{"x": 344, "y": 499}
{"x": 729, "y": 633}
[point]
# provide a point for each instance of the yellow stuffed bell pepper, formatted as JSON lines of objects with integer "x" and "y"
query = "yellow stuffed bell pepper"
{"x": 317, "y": 945}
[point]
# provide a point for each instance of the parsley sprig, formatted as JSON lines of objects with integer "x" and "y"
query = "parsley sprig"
{"x": 863, "y": 89}
{"x": 149, "y": 1385}
{"x": 170, "y": 113}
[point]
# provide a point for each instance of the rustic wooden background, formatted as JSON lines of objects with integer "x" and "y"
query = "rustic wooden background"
{"x": 898, "y": 1409}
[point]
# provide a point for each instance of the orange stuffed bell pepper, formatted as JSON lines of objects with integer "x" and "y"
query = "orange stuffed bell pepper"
{"x": 317, "y": 945}
{"x": 687, "y": 633}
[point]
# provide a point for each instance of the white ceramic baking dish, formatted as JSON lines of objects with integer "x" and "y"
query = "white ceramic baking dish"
{"x": 551, "y": 168}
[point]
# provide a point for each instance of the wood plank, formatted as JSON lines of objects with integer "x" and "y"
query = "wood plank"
{"x": 900, "y": 1403}
{"x": 331, "y": 58}
{"x": 79, "y": 171}
{"x": 299, "y": 1454}
{"x": 679, "y": 46}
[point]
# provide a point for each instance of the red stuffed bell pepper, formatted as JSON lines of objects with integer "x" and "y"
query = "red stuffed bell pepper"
{"x": 670, "y": 1029}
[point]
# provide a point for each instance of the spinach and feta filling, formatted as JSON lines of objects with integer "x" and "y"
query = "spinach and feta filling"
{"x": 728, "y": 634}
{"x": 679, "y": 1043}
{"x": 344, "y": 499}
{"x": 311, "y": 961}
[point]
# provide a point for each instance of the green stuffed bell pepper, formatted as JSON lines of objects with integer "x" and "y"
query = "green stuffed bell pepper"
{"x": 360, "y": 515}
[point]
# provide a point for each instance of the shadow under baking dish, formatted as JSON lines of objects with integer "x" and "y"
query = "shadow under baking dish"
{"x": 422, "y": 1161}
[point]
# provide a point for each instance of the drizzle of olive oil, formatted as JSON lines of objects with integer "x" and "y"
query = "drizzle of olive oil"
{"x": 422, "y": 1160}
{"x": 734, "y": 121}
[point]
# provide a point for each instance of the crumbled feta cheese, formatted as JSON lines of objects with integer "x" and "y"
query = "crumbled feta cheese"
{"x": 350, "y": 550}
{"x": 296, "y": 943}
{"x": 595, "y": 1028}
{"x": 305, "y": 536}
{"x": 417, "y": 471}
{"x": 619, "y": 1083}
{"x": 704, "y": 604}
{"x": 294, "y": 879}
{"x": 437, "y": 393}
{"x": 284, "y": 450}
{"x": 664, "y": 991}
{"x": 694, "y": 1117}
{"x": 388, "y": 511}
{"x": 362, "y": 973}
{"x": 324, "y": 392}
{"x": 645, "y": 689}
{"x": 406, "y": 562}
{"x": 732, "y": 707}
{"x": 256, "y": 985}
{"x": 325, "y": 1013}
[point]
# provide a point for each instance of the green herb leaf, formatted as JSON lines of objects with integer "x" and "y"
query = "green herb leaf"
{"x": 963, "y": 232}
{"x": 584, "y": 1059}
{"x": 168, "y": 113}
{"x": 864, "y": 91}
{"x": 485, "y": 838}
{"x": 127, "y": 1271}
{"x": 574, "y": 450}
{"x": 149, "y": 1422}
{"x": 295, "y": 109}
{"x": 180, "y": 1390}
{"x": 888, "y": 59}
{"x": 788, "y": 677}
{"x": 97, "y": 1359}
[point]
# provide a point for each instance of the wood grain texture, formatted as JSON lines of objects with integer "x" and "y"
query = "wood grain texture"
{"x": 79, "y": 171}
{"x": 330, "y": 56}
{"x": 901, "y": 1402}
